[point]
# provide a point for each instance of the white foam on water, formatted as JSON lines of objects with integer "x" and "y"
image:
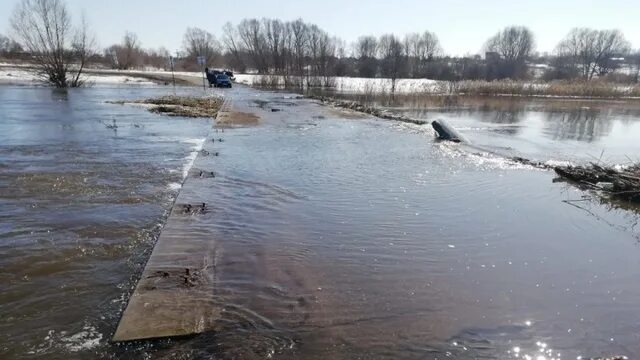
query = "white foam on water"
{"x": 558, "y": 163}
{"x": 174, "y": 186}
{"x": 86, "y": 339}
{"x": 191, "y": 158}
{"x": 481, "y": 159}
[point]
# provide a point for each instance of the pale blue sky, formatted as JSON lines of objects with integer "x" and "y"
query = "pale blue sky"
{"x": 462, "y": 26}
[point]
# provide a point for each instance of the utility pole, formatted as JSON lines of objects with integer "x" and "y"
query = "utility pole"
{"x": 172, "y": 62}
{"x": 201, "y": 61}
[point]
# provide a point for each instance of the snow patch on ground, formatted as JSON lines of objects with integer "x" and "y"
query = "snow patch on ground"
{"x": 381, "y": 86}
{"x": 18, "y": 75}
{"x": 353, "y": 84}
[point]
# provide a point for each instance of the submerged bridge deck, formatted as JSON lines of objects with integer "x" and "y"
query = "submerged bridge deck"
{"x": 175, "y": 294}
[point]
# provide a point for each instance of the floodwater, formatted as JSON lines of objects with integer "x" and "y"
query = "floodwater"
{"x": 339, "y": 236}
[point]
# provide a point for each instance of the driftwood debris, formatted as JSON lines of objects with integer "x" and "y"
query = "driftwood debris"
{"x": 622, "y": 184}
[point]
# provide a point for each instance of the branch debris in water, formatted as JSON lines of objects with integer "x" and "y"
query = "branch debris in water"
{"x": 621, "y": 184}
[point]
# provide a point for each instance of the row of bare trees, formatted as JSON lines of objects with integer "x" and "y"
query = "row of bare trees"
{"x": 390, "y": 55}
{"x": 129, "y": 53}
{"x": 593, "y": 52}
{"x": 292, "y": 48}
{"x": 304, "y": 53}
{"x": 272, "y": 46}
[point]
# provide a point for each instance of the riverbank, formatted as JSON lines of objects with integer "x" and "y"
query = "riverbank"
{"x": 595, "y": 89}
{"x": 381, "y": 87}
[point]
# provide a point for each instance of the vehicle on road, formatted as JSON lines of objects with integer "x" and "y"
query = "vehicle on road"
{"x": 230, "y": 75}
{"x": 222, "y": 80}
{"x": 219, "y": 78}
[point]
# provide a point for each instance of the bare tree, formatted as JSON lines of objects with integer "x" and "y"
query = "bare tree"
{"x": 635, "y": 62}
{"x": 514, "y": 44}
{"x": 130, "y": 51}
{"x": 275, "y": 40}
{"x": 391, "y": 52}
{"x": 365, "y": 50}
{"x": 83, "y": 48}
{"x": 592, "y": 51}
{"x": 60, "y": 52}
{"x": 199, "y": 42}
{"x": 430, "y": 46}
{"x": 420, "y": 49}
{"x": 341, "y": 67}
{"x": 299, "y": 40}
{"x": 321, "y": 52}
{"x": 232, "y": 43}
{"x": 253, "y": 40}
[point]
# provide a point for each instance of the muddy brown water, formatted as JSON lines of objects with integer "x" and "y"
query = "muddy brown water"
{"x": 337, "y": 236}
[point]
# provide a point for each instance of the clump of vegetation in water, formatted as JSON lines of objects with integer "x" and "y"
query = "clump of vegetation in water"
{"x": 185, "y": 106}
{"x": 618, "y": 183}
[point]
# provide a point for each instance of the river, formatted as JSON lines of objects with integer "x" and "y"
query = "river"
{"x": 338, "y": 235}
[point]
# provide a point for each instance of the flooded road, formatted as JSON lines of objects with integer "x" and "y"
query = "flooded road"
{"x": 575, "y": 130}
{"x": 338, "y": 236}
{"x": 84, "y": 189}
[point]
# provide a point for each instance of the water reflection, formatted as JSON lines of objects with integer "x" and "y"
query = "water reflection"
{"x": 59, "y": 94}
{"x": 536, "y": 128}
{"x": 586, "y": 125}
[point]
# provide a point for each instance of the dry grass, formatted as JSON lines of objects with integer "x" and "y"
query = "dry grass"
{"x": 574, "y": 88}
{"x": 236, "y": 118}
{"x": 293, "y": 82}
{"x": 183, "y": 106}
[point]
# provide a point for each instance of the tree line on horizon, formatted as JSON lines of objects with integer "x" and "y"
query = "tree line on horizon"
{"x": 305, "y": 53}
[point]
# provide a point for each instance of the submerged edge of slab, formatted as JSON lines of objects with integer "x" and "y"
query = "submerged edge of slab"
{"x": 175, "y": 294}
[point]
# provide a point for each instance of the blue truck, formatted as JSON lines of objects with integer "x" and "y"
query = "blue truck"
{"x": 218, "y": 78}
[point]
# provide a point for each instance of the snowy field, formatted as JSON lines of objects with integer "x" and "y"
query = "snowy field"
{"x": 17, "y": 75}
{"x": 353, "y": 84}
